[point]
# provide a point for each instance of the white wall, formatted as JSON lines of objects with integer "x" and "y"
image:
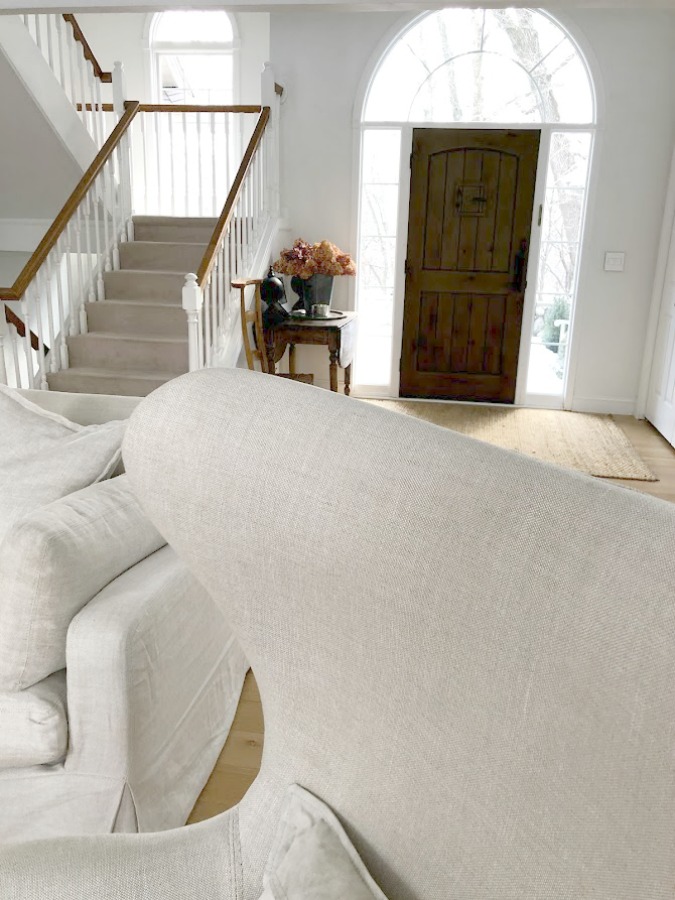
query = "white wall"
{"x": 635, "y": 53}
{"x": 321, "y": 58}
{"x": 124, "y": 37}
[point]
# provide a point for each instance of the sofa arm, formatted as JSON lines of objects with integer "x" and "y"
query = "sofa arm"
{"x": 53, "y": 562}
{"x": 200, "y": 861}
{"x": 154, "y": 677}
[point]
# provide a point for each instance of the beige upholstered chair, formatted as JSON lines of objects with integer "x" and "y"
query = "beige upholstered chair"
{"x": 468, "y": 654}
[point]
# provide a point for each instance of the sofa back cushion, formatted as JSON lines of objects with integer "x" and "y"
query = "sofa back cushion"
{"x": 34, "y": 724}
{"x": 44, "y": 456}
{"x": 52, "y": 562}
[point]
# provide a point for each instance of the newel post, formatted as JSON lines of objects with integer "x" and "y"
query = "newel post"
{"x": 119, "y": 88}
{"x": 193, "y": 300}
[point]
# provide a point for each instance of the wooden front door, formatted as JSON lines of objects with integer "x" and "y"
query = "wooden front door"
{"x": 471, "y": 200}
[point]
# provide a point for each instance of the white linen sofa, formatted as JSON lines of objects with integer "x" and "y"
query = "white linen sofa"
{"x": 467, "y": 653}
{"x": 119, "y": 676}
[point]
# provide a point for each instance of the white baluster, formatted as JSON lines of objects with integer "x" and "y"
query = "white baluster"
{"x": 27, "y": 346}
{"x": 81, "y": 289}
{"x": 50, "y": 42}
{"x": 100, "y": 292}
{"x": 61, "y": 329}
{"x": 126, "y": 182}
{"x": 208, "y": 320}
{"x": 171, "y": 161}
{"x": 15, "y": 343}
{"x": 103, "y": 195}
{"x": 38, "y": 30}
{"x": 146, "y": 151}
{"x": 157, "y": 123}
{"x": 48, "y": 300}
{"x": 73, "y": 294}
{"x": 226, "y": 278}
{"x": 58, "y": 26}
{"x": 192, "y": 301}
{"x": 72, "y": 63}
{"x": 187, "y": 168}
{"x": 82, "y": 89}
{"x": 101, "y": 132}
{"x": 214, "y": 196}
{"x": 4, "y": 335}
{"x": 39, "y": 316}
{"x": 200, "y": 164}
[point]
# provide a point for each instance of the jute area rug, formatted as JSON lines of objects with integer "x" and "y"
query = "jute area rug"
{"x": 590, "y": 443}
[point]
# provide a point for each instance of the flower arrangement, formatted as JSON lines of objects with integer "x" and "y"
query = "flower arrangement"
{"x": 322, "y": 258}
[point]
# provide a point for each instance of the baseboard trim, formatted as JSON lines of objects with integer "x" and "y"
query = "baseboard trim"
{"x": 604, "y": 405}
{"x": 22, "y": 235}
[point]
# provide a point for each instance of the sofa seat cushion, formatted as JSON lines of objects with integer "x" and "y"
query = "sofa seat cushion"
{"x": 53, "y": 562}
{"x": 34, "y": 723}
{"x": 44, "y": 456}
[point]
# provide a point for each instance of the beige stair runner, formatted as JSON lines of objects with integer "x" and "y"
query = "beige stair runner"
{"x": 137, "y": 336}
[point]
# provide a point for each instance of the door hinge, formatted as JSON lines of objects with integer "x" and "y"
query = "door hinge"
{"x": 410, "y": 162}
{"x": 541, "y": 214}
{"x": 406, "y": 268}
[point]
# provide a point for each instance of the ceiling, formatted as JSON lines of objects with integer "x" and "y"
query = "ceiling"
{"x": 316, "y": 5}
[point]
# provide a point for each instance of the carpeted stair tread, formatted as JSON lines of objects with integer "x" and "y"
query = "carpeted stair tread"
{"x": 108, "y": 381}
{"x": 140, "y": 338}
{"x": 161, "y": 256}
{"x": 188, "y": 229}
{"x": 137, "y": 317}
{"x": 136, "y": 353}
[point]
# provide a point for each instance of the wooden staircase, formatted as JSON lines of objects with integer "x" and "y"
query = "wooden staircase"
{"x": 137, "y": 336}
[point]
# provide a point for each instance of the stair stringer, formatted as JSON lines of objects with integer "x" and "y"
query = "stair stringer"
{"x": 32, "y": 69}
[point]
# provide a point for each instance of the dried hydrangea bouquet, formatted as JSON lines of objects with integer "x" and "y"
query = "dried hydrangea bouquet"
{"x": 313, "y": 267}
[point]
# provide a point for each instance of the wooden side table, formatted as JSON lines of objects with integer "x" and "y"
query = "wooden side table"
{"x": 339, "y": 335}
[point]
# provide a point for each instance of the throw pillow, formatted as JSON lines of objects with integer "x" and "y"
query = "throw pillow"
{"x": 44, "y": 457}
{"x": 312, "y": 858}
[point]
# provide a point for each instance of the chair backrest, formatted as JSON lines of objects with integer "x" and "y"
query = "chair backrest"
{"x": 468, "y": 654}
{"x": 252, "y": 317}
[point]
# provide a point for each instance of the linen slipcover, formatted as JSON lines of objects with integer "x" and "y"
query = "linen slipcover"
{"x": 45, "y": 456}
{"x": 52, "y": 562}
{"x": 34, "y": 723}
{"x": 469, "y": 655}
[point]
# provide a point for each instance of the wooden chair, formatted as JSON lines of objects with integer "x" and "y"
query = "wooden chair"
{"x": 254, "y": 318}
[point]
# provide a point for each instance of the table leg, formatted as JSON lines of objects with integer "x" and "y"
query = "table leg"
{"x": 291, "y": 359}
{"x": 348, "y": 379}
{"x": 334, "y": 357}
{"x": 270, "y": 348}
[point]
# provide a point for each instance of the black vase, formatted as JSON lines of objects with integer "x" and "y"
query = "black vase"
{"x": 316, "y": 289}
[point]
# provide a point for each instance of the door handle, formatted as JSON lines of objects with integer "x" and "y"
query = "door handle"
{"x": 520, "y": 268}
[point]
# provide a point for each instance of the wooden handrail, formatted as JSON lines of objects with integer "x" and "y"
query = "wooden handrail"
{"x": 209, "y": 258}
{"x": 170, "y": 107}
{"x": 59, "y": 224}
{"x": 12, "y": 319}
{"x": 86, "y": 49}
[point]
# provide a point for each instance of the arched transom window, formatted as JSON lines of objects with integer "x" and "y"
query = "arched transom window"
{"x": 193, "y": 57}
{"x": 470, "y": 66}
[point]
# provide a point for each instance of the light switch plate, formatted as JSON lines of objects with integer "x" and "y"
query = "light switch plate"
{"x": 615, "y": 261}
